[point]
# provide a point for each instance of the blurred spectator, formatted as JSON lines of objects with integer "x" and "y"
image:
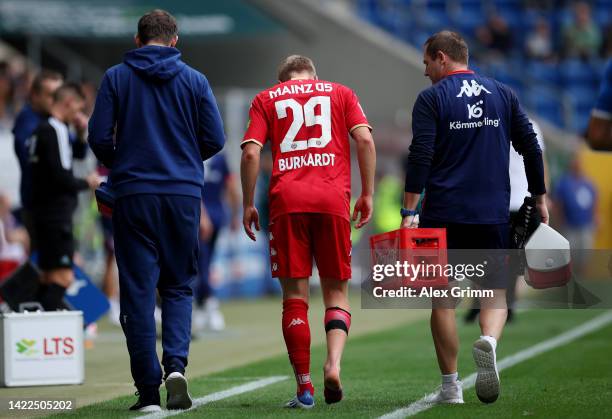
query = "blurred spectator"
{"x": 495, "y": 35}
{"x": 541, "y": 5}
{"x": 599, "y": 134}
{"x": 15, "y": 240}
{"x": 582, "y": 38}
{"x": 606, "y": 50}
{"x": 262, "y": 199}
{"x": 388, "y": 197}
{"x": 576, "y": 199}
{"x": 6, "y": 95}
{"x": 110, "y": 277}
{"x": 263, "y": 185}
{"x": 219, "y": 184}
{"x": 539, "y": 43}
{"x": 37, "y": 108}
{"x": 89, "y": 91}
{"x": 55, "y": 190}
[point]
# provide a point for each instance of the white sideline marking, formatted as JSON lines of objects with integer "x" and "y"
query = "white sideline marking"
{"x": 510, "y": 361}
{"x": 220, "y": 395}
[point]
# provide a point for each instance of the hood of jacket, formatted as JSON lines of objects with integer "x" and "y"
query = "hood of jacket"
{"x": 155, "y": 62}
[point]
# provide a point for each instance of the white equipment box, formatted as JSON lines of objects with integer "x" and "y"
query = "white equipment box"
{"x": 41, "y": 348}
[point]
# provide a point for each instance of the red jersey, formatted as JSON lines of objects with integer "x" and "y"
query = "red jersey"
{"x": 308, "y": 123}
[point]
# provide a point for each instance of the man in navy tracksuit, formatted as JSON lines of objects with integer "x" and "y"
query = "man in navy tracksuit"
{"x": 463, "y": 126}
{"x": 29, "y": 118}
{"x": 154, "y": 122}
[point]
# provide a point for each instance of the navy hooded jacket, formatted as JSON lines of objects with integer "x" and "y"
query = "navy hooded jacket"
{"x": 155, "y": 121}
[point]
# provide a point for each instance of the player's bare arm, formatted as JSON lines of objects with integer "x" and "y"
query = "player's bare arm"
{"x": 249, "y": 169}
{"x": 599, "y": 134}
{"x": 366, "y": 156}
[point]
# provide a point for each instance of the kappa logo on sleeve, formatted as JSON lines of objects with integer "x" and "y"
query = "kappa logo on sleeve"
{"x": 472, "y": 90}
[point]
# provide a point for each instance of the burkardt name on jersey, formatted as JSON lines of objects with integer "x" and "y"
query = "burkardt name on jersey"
{"x": 303, "y": 88}
{"x": 475, "y": 110}
{"x": 308, "y": 160}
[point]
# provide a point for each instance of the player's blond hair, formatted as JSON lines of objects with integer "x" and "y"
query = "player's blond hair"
{"x": 295, "y": 64}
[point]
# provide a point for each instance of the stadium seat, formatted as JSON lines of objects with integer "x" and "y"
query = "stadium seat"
{"x": 582, "y": 98}
{"x": 512, "y": 12}
{"x": 580, "y": 122}
{"x": 542, "y": 72}
{"x": 602, "y": 13}
{"x": 545, "y": 104}
{"x": 505, "y": 73}
{"x": 468, "y": 16}
{"x": 577, "y": 73}
{"x": 418, "y": 38}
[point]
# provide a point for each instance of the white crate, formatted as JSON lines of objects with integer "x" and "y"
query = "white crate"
{"x": 41, "y": 348}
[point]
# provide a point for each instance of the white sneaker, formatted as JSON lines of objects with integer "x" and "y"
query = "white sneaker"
{"x": 178, "y": 396}
{"x": 451, "y": 394}
{"x": 157, "y": 315}
{"x": 199, "y": 319}
{"x": 487, "y": 379}
{"x": 91, "y": 331}
{"x": 216, "y": 321}
{"x": 114, "y": 312}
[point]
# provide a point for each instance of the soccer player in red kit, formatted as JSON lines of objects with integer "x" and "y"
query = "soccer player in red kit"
{"x": 307, "y": 122}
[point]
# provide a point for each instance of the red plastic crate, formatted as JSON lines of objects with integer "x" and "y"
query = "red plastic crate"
{"x": 413, "y": 245}
{"x": 7, "y": 267}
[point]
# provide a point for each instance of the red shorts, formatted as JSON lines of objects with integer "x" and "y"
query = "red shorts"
{"x": 295, "y": 239}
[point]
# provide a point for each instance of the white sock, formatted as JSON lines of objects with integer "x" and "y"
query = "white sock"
{"x": 448, "y": 379}
{"x": 491, "y": 340}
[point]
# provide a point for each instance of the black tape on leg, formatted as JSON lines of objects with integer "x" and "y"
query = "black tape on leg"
{"x": 335, "y": 324}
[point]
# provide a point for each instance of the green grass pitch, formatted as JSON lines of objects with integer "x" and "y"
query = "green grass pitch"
{"x": 388, "y": 370}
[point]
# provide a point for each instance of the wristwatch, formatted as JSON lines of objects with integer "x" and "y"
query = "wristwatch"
{"x": 406, "y": 212}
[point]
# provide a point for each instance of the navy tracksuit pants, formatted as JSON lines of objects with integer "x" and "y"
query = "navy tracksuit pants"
{"x": 156, "y": 246}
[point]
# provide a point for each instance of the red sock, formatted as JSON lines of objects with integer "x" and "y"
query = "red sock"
{"x": 296, "y": 332}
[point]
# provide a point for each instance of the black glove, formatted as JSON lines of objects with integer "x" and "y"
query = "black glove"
{"x": 525, "y": 223}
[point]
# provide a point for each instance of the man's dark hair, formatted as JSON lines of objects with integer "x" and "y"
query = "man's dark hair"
{"x": 42, "y": 77}
{"x": 157, "y": 25}
{"x": 450, "y": 43}
{"x": 295, "y": 64}
{"x": 66, "y": 90}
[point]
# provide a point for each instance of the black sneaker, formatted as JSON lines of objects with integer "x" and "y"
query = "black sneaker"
{"x": 147, "y": 402}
